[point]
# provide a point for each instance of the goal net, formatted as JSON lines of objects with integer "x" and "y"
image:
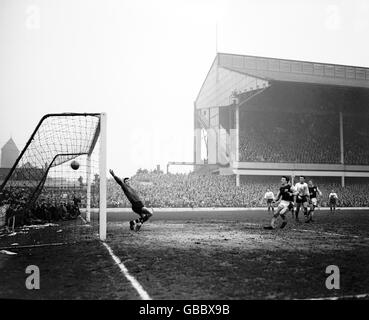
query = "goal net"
{"x": 43, "y": 200}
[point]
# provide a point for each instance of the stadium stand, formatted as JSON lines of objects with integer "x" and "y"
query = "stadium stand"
{"x": 284, "y": 136}
{"x": 289, "y": 137}
{"x": 356, "y": 132}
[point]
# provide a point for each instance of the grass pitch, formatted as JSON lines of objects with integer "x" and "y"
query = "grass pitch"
{"x": 202, "y": 255}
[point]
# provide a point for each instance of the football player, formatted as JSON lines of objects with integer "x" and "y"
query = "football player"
{"x": 137, "y": 205}
{"x": 302, "y": 197}
{"x": 286, "y": 195}
{"x": 333, "y": 201}
{"x": 269, "y": 197}
{"x": 313, "y": 192}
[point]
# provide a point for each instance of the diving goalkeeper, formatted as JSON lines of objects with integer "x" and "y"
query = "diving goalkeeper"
{"x": 137, "y": 205}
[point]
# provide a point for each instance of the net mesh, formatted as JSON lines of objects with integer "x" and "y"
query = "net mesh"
{"x": 43, "y": 199}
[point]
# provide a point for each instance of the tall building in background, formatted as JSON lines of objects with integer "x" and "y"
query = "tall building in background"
{"x": 9, "y": 154}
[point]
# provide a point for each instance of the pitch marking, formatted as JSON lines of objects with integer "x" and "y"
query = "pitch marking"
{"x": 135, "y": 284}
{"x": 357, "y": 296}
{"x": 331, "y": 234}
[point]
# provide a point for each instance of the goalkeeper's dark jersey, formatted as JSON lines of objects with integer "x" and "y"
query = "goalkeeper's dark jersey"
{"x": 130, "y": 193}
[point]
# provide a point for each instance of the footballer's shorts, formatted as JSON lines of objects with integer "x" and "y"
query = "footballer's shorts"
{"x": 301, "y": 199}
{"x": 283, "y": 206}
{"x": 137, "y": 207}
{"x": 332, "y": 202}
{"x": 314, "y": 201}
{"x": 269, "y": 201}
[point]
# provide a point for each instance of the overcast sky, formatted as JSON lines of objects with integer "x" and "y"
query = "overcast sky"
{"x": 143, "y": 62}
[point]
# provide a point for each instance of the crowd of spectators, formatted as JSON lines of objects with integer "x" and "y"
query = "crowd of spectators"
{"x": 352, "y": 195}
{"x": 274, "y": 136}
{"x": 17, "y": 209}
{"x": 285, "y": 136}
{"x": 161, "y": 190}
{"x": 194, "y": 190}
{"x": 356, "y": 139}
{"x": 186, "y": 190}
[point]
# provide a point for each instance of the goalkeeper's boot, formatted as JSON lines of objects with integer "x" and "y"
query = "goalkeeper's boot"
{"x": 132, "y": 224}
{"x": 138, "y": 226}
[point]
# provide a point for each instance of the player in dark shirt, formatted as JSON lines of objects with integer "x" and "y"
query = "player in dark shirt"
{"x": 313, "y": 192}
{"x": 137, "y": 205}
{"x": 286, "y": 195}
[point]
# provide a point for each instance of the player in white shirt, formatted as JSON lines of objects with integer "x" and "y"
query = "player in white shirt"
{"x": 269, "y": 197}
{"x": 333, "y": 201}
{"x": 302, "y": 197}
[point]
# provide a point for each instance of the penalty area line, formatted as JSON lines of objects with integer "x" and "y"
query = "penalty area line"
{"x": 135, "y": 284}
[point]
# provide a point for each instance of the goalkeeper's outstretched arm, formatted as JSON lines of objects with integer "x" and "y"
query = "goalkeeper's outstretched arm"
{"x": 117, "y": 179}
{"x": 129, "y": 192}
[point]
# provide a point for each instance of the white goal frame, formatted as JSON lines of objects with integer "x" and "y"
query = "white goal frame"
{"x": 102, "y": 175}
{"x": 102, "y": 169}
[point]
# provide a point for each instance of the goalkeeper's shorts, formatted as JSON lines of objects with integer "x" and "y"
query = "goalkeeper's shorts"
{"x": 137, "y": 207}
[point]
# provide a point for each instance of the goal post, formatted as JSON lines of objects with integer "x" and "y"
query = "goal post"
{"x": 102, "y": 170}
{"x": 43, "y": 187}
{"x": 88, "y": 193}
